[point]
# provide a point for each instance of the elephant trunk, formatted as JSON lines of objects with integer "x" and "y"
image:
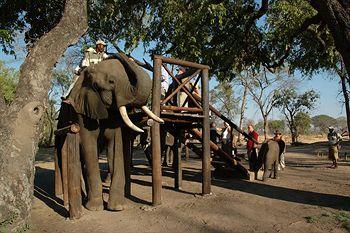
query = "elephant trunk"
{"x": 136, "y": 92}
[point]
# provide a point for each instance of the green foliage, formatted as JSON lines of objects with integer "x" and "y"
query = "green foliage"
{"x": 34, "y": 17}
{"x": 322, "y": 122}
{"x": 223, "y": 34}
{"x": 312, "y": 49}
{"x": 346, "y": 225}
{"x": 276, "y": 125}
{"x": 8, "y": 82}
{"x": 311, "y": 219}
{"x": 291, "y": 103}
{"x": 343, "y": 217}
{"x": 302, "y": 123}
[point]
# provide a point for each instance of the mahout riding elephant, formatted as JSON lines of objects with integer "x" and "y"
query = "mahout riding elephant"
{"x": 269, "y": 157}
{"x": 100, "y": 98}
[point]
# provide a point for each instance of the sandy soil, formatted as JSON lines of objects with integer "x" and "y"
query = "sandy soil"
{"x": 308, "y": 197}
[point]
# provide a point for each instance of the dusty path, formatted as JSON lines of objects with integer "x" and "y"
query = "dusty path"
{"x": 308, "y": 197}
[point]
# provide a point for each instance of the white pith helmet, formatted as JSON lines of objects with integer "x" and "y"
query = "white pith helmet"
{"x": 100, "y": 42}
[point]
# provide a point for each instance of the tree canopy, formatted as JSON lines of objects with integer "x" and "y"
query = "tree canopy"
{"x": 291, "y": 103}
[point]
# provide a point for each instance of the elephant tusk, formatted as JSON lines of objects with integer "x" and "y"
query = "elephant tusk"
{"x": 127, "y": 120}
{"x": 151, "y": 114}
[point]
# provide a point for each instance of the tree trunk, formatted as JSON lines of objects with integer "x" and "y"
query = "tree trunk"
{"x": 243, "y": 106}
{"x": 346, "y": 99}
{"x": 293, "y": 131}
{"x": 20, "y": 123}
{"x": 266, "y": 125}
{"x": 335, "y": 13}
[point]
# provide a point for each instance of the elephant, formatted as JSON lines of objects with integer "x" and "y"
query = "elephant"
{"x": 100, "y": 99}
{"x": 269, "y": 157}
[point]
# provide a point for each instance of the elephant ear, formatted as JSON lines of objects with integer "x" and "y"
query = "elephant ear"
{"x": 138, "y": 78}
{"x": 85, "y": 99}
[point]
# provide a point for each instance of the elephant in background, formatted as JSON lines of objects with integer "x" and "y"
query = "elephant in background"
{"x": 100, "y": 99}
{"x": 269, "y": 157}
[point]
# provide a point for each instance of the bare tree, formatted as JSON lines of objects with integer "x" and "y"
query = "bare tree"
{"x": 260, "y": 86}
{"x": 242, "y": 110}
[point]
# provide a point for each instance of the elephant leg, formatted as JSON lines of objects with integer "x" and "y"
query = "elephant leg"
{"x": 116, "y": 192}
{"x": 267, "y": 171}
{"x": 275, "y": 169}
{"x": 109, "y": 136}
{"x": 90, "y": 154}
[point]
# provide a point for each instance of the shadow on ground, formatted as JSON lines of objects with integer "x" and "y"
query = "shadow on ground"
{"x": 44, "y": 186}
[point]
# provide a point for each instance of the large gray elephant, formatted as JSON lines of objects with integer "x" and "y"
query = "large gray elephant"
{"x": 101, "y": 97}
{"x": 269, "y": 157}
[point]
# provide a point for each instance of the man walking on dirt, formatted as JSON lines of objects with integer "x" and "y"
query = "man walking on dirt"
{"x": 333, "y": 144}
{"x": 251, "y": 147}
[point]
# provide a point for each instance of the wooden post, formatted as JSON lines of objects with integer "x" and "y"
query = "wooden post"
{"x": 64, "y": 170}
{"x": 206, "y": 171}
{"x": 177, "y": 160}
{"x": 187, "y": 152}
{"x": 58, "y": 175}
{"x": 155, "y": 134}
{"x": 74, "y": 173}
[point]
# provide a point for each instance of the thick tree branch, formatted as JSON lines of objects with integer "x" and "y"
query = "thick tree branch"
{"x": 36, "y": 71}
{"x": 308, "y": 22}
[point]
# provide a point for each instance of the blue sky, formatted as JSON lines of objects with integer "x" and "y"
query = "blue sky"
{"x": 325, "y": 84}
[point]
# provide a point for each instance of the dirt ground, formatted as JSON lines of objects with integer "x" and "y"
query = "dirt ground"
{"x": 308, "y": 197}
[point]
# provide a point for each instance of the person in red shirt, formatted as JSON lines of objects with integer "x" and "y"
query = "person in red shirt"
{"x": 251, "y": 147}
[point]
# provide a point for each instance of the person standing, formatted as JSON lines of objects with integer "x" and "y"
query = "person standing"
{"x": 251, "y": 147}
{"x": 214, "y": 136}
{"x": 333, "y": 144}
{"x": 282, "y": 146}
{"x": 164, "y": 82}
{"x": 226, "y": 144}
{"x": 182, "y": 94}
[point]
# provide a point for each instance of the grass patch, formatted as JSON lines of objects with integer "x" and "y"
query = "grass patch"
{"x": 346, "y": 225}
{"x": 311, "y": 219}
{"x": 342, "y": 217}
{"x": 327, "y": 214}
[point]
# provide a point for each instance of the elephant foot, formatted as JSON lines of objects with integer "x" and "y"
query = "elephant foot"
{"x": 117, "y": 204}
{"x": 95, "y": 204}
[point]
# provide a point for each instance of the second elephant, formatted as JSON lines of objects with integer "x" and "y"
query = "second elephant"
{"x": 269, "y": 158}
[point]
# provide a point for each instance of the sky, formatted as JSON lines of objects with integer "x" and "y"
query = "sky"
{"x": 326, "y": 85}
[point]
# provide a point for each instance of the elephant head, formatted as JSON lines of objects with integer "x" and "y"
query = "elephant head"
{"x": 113, "y": 83}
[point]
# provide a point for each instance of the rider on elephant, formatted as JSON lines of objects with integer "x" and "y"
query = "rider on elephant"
{"x": 91, "y": 56}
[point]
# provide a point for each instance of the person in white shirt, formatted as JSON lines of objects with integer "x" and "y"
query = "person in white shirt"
{"x": 164, "y": 82}
{"x": 91, "y": 56}
{"x": 226, "y": 140}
